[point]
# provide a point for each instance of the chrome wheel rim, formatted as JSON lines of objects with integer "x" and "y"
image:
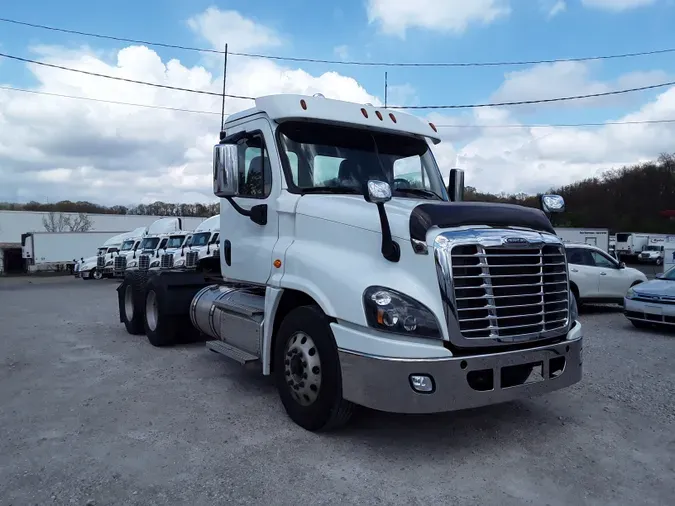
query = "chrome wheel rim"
{"x": 129, "y": 303}
{"x": 151, "y": 315}
{"x": 302, "y": 368}
{"x": 97, "y": 274}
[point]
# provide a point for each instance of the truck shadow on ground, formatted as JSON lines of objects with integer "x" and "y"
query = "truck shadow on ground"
{"x": 468, "y": 428}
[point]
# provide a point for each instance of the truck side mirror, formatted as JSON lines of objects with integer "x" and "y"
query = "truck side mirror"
{"x": 456, "y": 185}
{"x": 379, "y": 192}
{"x": 225, "y": 170}
{"x": 552, "y": 204}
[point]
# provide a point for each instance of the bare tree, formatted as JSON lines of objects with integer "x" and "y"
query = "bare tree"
{"x": 59, "y": 222}
{"x": 80, "y": 223}
{"x": 55, "y": 222}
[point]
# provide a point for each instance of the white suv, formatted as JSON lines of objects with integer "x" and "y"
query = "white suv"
{"x": 597, "y": 277}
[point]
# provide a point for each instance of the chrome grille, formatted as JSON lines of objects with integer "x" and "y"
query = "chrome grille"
{"x": 166, "y": 262}
{"x": 144, "y": 262}
{"x": 100, "y": 262}
{"x": 120, "y": 263}
{"x": 502, "y": 292}
{"x": 191, "y": 258}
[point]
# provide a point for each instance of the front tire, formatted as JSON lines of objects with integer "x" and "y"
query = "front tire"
{"x": 96, "y": 274}
{"x": 307, "y": 371}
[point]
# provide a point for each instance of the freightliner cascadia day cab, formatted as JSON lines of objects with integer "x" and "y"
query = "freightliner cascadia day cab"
{"x": 349, "y": 272}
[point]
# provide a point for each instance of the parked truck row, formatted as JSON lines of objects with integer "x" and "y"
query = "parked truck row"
{"x": 348, "y": 270}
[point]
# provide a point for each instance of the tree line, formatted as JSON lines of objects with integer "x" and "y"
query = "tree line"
{"x": 630, "y": 199}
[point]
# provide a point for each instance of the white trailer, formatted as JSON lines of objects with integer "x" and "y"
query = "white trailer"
{"x": 630, "y": 244}
{"x": 350, "y": 290}
{"x": 49, "y": 251}
{"x": 598, "y": 237}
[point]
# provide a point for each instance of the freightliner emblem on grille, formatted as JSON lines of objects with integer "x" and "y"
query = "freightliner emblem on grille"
{"x": 520, "y": 242}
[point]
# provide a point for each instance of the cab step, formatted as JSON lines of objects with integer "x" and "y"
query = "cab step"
{"x": 241, "y": 356}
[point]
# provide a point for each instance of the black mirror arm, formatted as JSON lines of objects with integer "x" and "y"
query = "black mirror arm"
{"x": 390, "y": 249}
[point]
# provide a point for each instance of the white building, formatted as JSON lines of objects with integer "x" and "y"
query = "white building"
{"x": 15, "y": 223}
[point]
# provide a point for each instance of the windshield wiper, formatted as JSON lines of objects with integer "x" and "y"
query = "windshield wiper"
{"x": 332, "y": 189}
{"x": 420, "y": 192}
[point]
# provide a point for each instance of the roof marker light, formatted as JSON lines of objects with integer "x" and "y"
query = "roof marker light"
{"x": 318, "y": 95}
{"x": 379, "y": 115}
{"x": 393, "y": 118}
{"x": 303, "y": 104}
{"x": 364, "y": 112}
{"x": 433, "y": 127}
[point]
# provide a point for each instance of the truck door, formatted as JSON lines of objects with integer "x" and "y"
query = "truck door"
{"x": 246, "y": 252}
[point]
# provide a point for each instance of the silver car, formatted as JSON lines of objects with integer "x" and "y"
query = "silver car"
{"x": 652, "y": 302}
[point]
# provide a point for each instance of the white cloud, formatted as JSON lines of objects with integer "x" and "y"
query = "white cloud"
{"x": 553, "y": 7}
{"x": 617, "y": 5}
{"x": 219, "y": 27}
{"x": 450, "y": 16}
{"x": 563, "y": 79}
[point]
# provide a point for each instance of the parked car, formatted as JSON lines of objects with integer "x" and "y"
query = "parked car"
{"x": 652, "y": 302}
{"x": 595, "y": 276}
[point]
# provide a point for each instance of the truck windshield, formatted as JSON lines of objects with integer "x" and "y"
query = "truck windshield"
{"x": 200, "y": 239}
{"x": 150, "y": 243}
{"x": 622, "y": 237}
{"x": 335, "y": 159}
{"x": 127, "y": 245}
{"x": 653, "y": 248}
{"x": 176, "y": 241}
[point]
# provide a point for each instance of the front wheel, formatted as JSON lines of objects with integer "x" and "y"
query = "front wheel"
{"x": 307, "y": 371}
{"x": 659, "y": 261}
{"x": 96, "y": 274}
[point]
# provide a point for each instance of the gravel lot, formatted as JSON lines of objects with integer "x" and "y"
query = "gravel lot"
{"x": 92, "y": 415}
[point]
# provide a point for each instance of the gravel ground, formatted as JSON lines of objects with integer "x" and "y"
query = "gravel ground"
{"x": 92, "y": 415}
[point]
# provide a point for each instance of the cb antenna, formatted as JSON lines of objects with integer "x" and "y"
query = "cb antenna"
{"x": 386, "y": 89}
{"x": 222, "y": 108}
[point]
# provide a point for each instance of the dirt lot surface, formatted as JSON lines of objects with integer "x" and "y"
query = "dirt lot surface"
{"x": 91, "y": 416}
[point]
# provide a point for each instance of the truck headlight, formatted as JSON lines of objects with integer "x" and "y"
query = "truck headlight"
{"x": 180, "y": 262}
{"x": 391, "y": 311}
{"x": 133, "y": 263}
{"x": 108, "y": 263}
{"x": 155, "y": 263}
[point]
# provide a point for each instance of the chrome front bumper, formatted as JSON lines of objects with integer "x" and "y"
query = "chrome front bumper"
{"x": 384, "y": 384}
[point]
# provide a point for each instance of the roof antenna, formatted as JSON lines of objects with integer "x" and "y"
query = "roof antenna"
{"x": 222, "y": 109}
{"x": 386, "y": 88}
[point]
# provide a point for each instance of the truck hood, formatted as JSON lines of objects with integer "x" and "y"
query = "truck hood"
{"x": 354, "y": 211}
{"x": 657, "y": 287}
{"x": 412, "y": 218}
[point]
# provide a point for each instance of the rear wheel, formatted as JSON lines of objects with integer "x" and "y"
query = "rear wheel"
{"x": 307, "y": 371}
{"x": 130, "y": 293}
{"x": 160, "y": 327}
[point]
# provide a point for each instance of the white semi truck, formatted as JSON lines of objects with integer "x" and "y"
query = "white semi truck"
{"x": 204, "y": 241}
{"x": 92, "y": 267}
{"x": 352, "y": 287}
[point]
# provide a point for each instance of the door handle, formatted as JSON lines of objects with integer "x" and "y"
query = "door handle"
{"x": 227, "y": 250}
{"x": 574, "y": 270}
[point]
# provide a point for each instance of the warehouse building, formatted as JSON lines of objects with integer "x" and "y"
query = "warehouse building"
{"x": 15, "y": 223}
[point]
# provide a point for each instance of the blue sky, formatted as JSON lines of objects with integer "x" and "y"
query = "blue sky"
{"x": 362, "y": 30}
{"x": 315, "y": 29}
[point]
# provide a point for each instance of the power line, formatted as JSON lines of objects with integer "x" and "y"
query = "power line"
{"x": 406, "y": 107}
{"x": 115, "y": 102}
{"x": 514, "y": 125}
{"x": 134, "y": 81}
{"x": 562, "y": 125}
{"x": 343, "y": 62}
{"x": 538, "y": 101}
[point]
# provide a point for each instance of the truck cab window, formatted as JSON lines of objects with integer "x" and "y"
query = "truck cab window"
{"x": 255, "y": 174}
{"x": 338, "y": 159}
